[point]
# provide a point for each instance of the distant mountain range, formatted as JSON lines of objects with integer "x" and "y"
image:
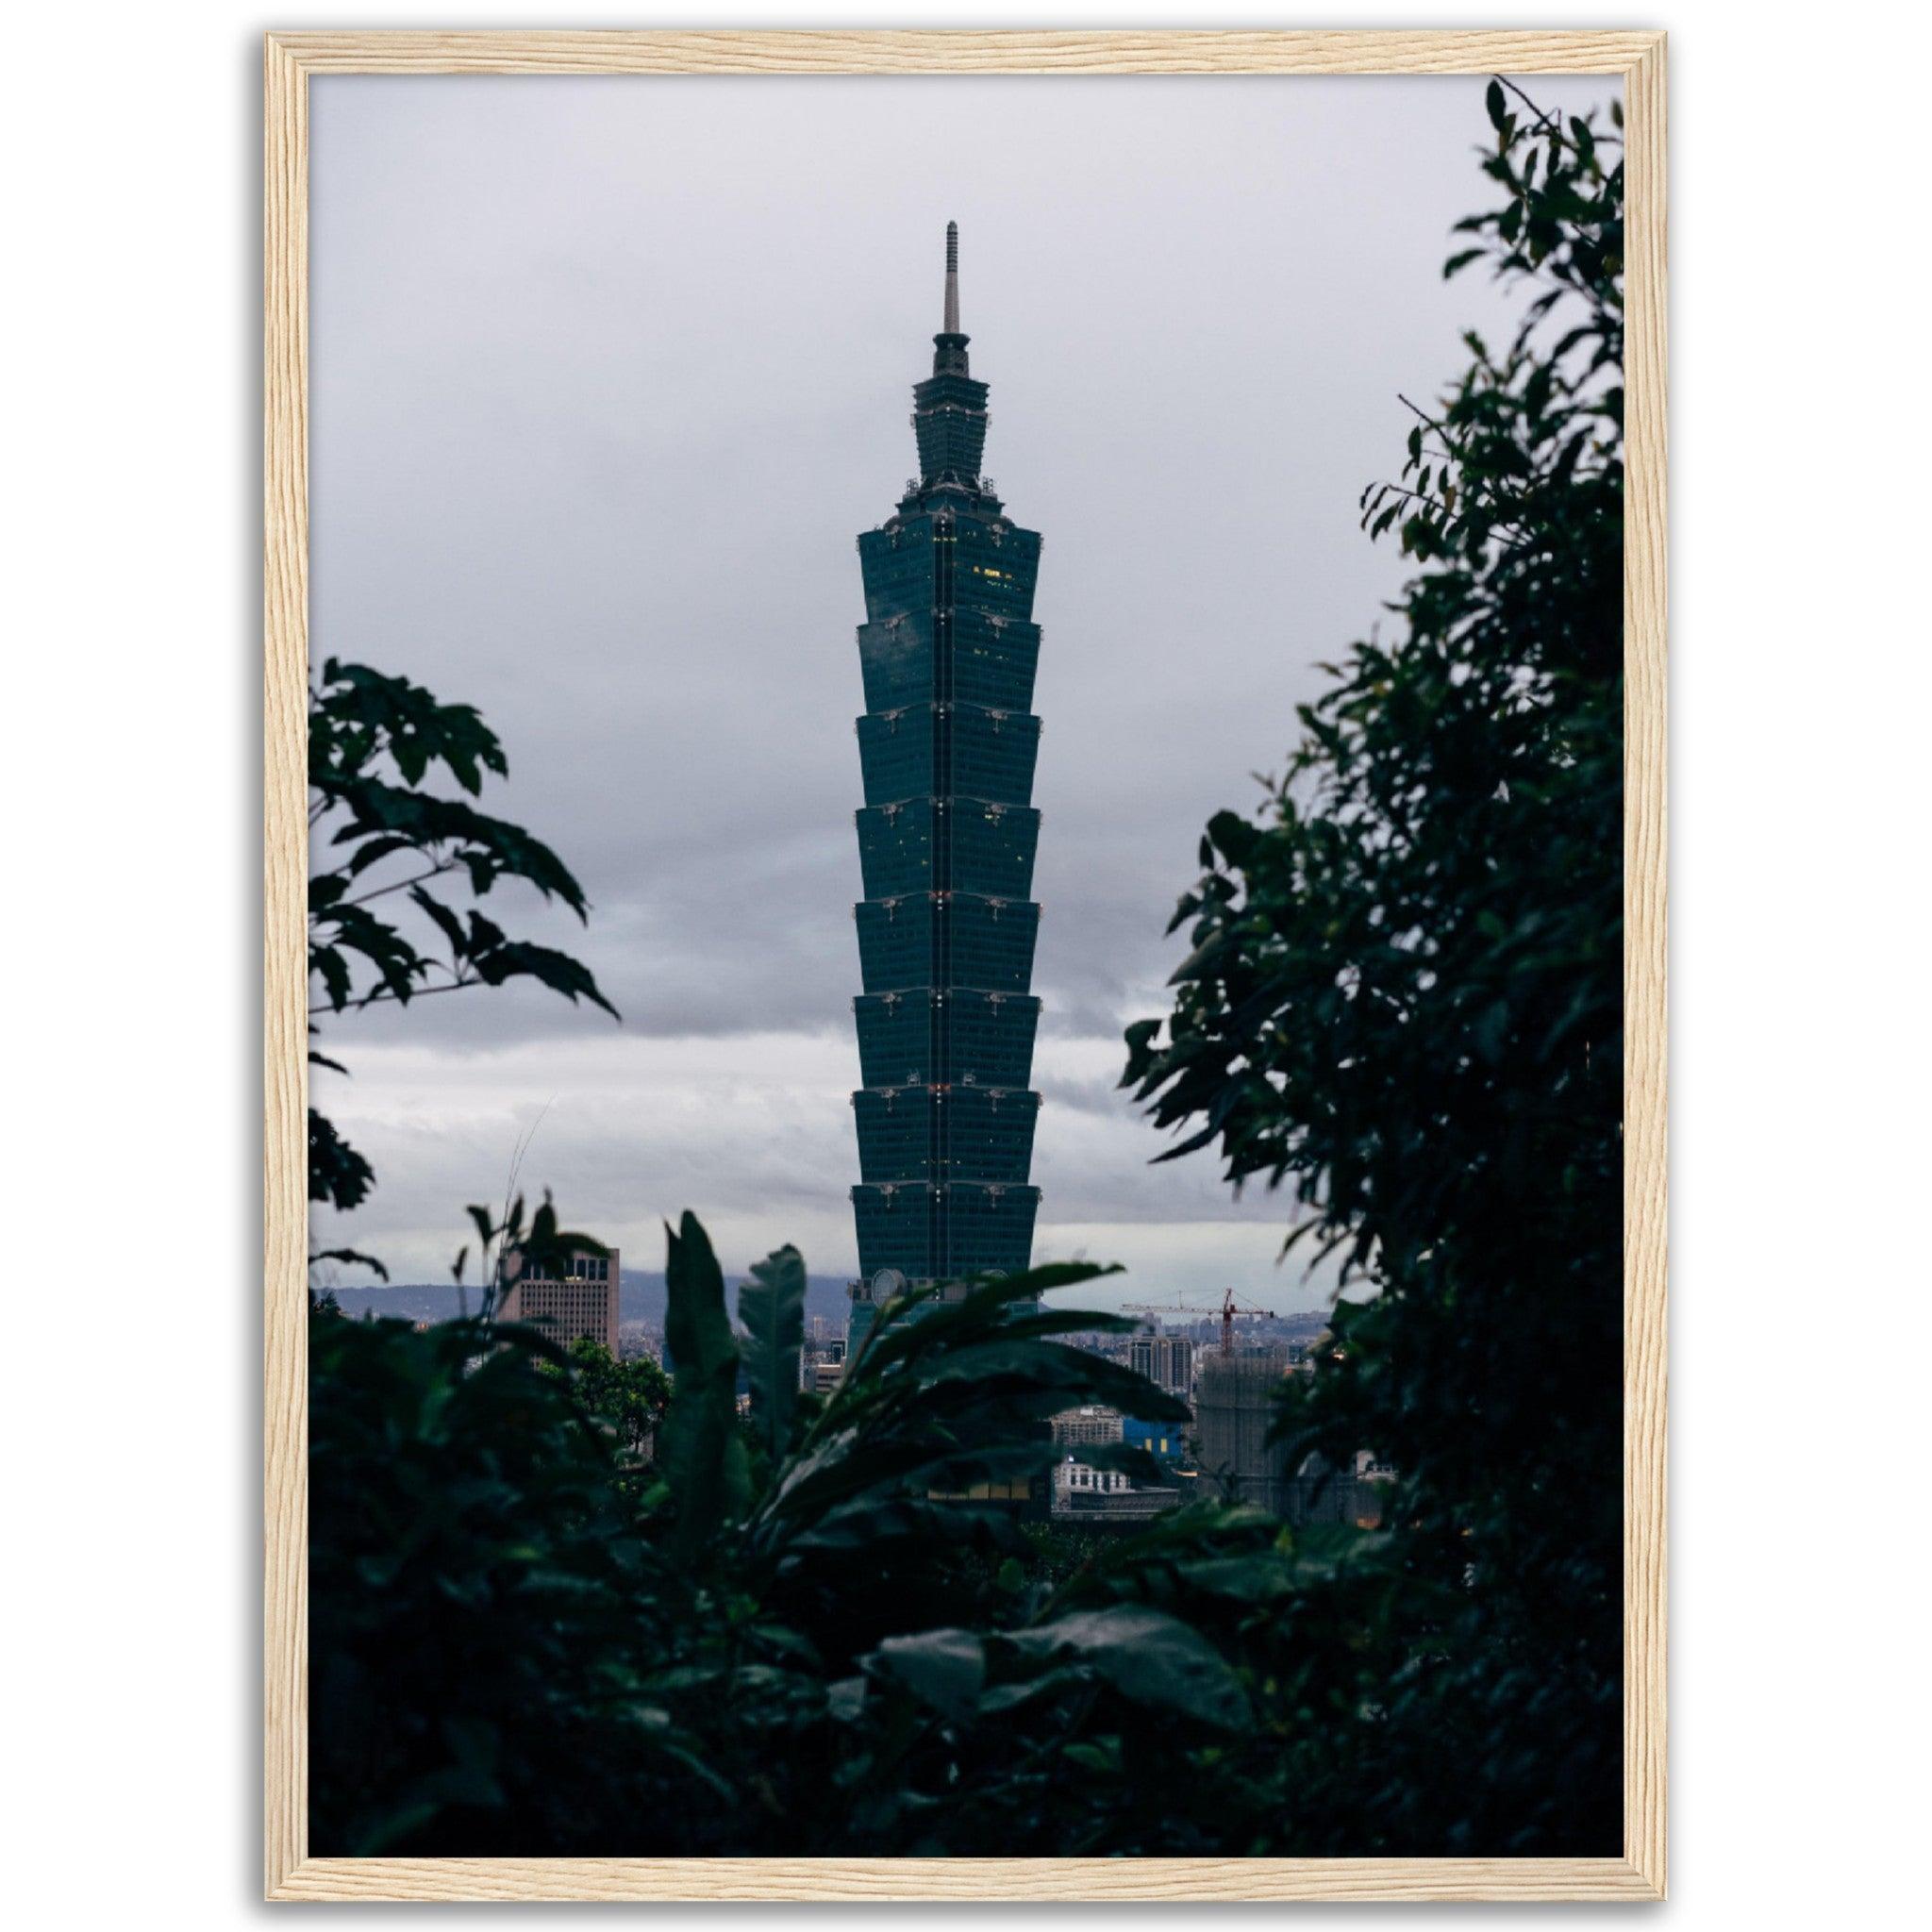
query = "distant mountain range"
{"x": 639, "y": 1298}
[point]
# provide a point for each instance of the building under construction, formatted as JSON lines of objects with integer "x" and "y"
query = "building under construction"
{"x": 1235, "y": 1408}
{"x": 945, "y": 1111}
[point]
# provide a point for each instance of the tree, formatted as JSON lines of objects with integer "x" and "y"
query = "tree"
{"x": 1404, "y": 1007}
{"x": 514, "y": 1653}
{"x": 626, "y": 1398}
{"x": 627, "y": 1394}
{"x": 376, "y": 746}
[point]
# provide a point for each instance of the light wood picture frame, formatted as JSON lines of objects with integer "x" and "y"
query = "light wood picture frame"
{"x": 1637, "y": 59}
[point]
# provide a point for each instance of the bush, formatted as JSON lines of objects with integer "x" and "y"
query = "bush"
{"x": 1404, "y": 1006}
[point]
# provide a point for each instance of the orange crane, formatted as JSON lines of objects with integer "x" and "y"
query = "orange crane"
{"x": 1230, "y": 1307}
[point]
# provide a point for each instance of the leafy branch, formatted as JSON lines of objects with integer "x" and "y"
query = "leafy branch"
{"x": 383, "y": 835}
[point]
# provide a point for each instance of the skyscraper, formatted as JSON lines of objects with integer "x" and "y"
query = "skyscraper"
{"x": 1166, "y": 1360}
{"x": 947, "y": 839}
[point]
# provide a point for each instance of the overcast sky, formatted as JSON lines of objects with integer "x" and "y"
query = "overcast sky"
{"x": 607, "y": 375}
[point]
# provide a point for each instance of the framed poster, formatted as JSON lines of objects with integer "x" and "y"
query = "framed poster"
{"x": 1039, "y": 1394}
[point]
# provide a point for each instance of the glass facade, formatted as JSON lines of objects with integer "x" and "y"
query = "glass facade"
{"x": 906, "y": 1037}
{"x": 941, "y": 940}
{"x": 986, "y": 847}
{"x": 937, "y": 1133}
{"x": 988, "y": 753}
{"x": 946, "y": 841}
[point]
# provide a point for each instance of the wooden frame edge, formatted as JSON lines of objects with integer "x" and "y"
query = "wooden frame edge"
{"x": 1638, "y": 57}
{"x": 882, "y": 1881}
{"x": 921, "y": 50}
{"x": 285, "y": 889}
{"x": 1645, "y": 953}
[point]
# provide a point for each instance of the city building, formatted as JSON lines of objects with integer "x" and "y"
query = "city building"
{"x": 1105, "y": 1497}
{"x": 1319, "y": 1492}
{"x": 1373, "y": 1480}
{"x": 1235, "y": 1408}
{"x": 822, "y": 1362}
{"x": 1166, "y": 1360}
{"x": 1073, "y": 1427}
{"x": 1165, "y": 1441}
{"x": 575, "y": 1301}
{"x": 945, "y": 1111}
{"x": 638, "y": 1341}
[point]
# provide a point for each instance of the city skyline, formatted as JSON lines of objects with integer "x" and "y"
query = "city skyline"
{"x": 599, "y": 478}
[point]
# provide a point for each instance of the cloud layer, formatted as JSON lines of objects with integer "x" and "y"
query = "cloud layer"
{"x": 608, "y": 375}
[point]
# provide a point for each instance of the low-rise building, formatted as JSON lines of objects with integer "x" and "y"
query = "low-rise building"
{"x": 1164, "y": 1441}
{"x": 1104, "y": 1496}
{"x": 1092, "y": 1424}
{"x": 822, "y": 1362}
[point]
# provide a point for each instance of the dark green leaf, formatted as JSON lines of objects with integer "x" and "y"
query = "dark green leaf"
{"x": 771, "y": 1306}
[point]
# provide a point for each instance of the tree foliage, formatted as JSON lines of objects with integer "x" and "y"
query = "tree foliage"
{"x": 514, "y": 1244}
{"x": 1403, "y": 1007}
{"x": 513, "y": 1651}
{"x": 626, "y": 1394}
{"x": 771, "y": 1307}
{"x": 386, "y": 835}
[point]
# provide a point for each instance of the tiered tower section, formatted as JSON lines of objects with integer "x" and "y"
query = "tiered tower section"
{"x": 947, "y": 839}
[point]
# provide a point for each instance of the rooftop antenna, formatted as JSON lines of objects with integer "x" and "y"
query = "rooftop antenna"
{"x": 952, "y": 328}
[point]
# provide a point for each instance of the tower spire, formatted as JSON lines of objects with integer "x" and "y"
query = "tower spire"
{"x": 952, "y": 328}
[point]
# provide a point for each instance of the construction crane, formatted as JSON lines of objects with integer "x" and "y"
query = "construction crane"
{"x": 1231, "y": 1306}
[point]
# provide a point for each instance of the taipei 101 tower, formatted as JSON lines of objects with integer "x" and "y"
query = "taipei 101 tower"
{"x": 947, "y": 839}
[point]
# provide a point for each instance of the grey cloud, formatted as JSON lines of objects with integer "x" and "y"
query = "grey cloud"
{"x": 609, "y": 374}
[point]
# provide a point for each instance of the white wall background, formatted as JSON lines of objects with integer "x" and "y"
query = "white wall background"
{"x": 128, "y": 144}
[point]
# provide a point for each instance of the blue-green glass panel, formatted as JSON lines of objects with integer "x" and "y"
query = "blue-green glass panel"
{"x": 928, "y": 942}
{"x": 924, "y": 1036}
{"x": 947, "y": 844}
{"x": 984, "y": 752}
{"x": 948, "y": 1133}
